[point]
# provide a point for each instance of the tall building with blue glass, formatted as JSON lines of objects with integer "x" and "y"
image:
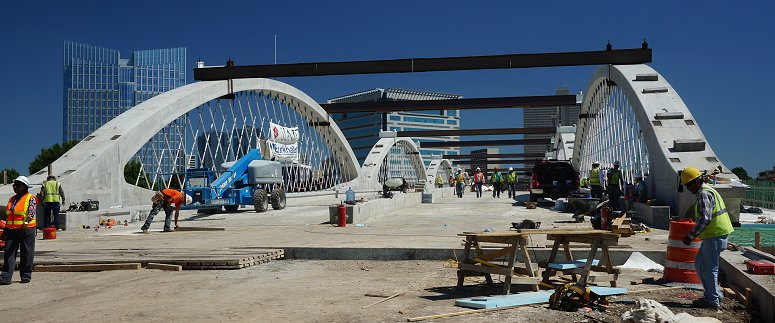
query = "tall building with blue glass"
{"x": 362, "y": 128}
{"x": 99, "y": 85}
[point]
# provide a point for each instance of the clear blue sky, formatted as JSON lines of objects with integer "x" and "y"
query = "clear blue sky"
{"x": 718, "y": 55}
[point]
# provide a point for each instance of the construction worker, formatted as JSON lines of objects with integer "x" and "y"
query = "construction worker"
{"x": 451, "y": 180}
{"x": 439, "y": 181}
{"x": 639, "y": 190}
{"x": 53, "y": 198}
{"x": 478, "y": 182}
{"x": 713, "y": 227}
{"x": 163, "y": 200}
{"x": 20, "y": 231}
{"x": 460, "y": 182}
{"x": 596, "y": 180}
{"x": 615, "y": 186}
{"x": 511, "y": 182}
{"x": 497, "y": 182}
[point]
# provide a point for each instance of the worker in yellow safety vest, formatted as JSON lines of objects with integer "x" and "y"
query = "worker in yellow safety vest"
{"x": 713, "y": 227}
{"x": 53, "y": 199}
{"x": 20, "y": 231}
{"x": 460, "y": 182}
{"x": 615, "y": 187}
{"x": 595, "y": 181}
{"x": 439, "y": 181}
{"x": 497, "y": 182}
{"x": 511, "y": 182}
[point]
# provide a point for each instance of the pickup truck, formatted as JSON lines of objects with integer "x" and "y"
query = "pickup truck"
{"x": 553, "y": 179}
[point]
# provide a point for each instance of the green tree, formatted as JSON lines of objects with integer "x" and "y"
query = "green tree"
{"x": 741, "y": 173}
{"x": 132, "y": 170}
{"x": 49, "y": 155}
{"x": 10, "y": 174}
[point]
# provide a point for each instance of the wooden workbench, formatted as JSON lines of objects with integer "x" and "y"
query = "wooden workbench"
{"x": 478, "y": 262}
{"x": 598, "y": 239}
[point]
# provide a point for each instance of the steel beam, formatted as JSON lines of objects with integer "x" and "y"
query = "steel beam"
{"x": 484, "y": 143}
{"x": 475, "y": 132}
{"x": 411, "y": 65}
{"x": 453, "y": 104}
{"x": 453, "y": 157}
{"x": 502, "y": 161}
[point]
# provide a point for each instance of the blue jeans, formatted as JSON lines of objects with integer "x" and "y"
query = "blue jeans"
{"x": 512, "y": 189}
{"x": 51, "y": 207}
{"x": 155, "y": 210}
{"x": 478, "y": 189}
{"x": 706, "y": 265}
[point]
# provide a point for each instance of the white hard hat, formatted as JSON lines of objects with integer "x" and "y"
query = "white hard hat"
{"x": 616, "y": 163}
{"x": 189, "y": 199}
{"x": 596, "y": 163}
{"x": 459, "y": 169}
{"x": 23, "y": 180}
{"x": 511, "y": 168}
{"x": 478, "y": 168}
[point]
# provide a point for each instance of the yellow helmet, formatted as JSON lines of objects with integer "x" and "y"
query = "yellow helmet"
{"x": 689, "y": 174}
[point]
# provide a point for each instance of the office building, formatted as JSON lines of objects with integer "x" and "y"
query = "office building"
{"x": 483, "y": 162}
{"x": 550, "y": 117}
{"x": 362, "y": 128}
{"x": 99, "y": 85}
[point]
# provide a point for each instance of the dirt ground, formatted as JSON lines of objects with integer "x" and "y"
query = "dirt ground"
{"x": 295, "y": 291}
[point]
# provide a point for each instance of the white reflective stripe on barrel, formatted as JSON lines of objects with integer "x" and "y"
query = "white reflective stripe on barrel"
{"x": 679, "y": 265}
{"x": 680, "y": 244}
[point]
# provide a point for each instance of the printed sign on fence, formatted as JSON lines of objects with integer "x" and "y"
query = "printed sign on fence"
{"x": 280, "y": 151}
{"x": 283, "y": 135}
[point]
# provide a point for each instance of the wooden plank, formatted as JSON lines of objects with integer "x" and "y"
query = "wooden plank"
{"x": 387, "y": 298}
{"x": 165, "y": 267}
{"x": 505, "y": 300}
{"x": 87, "y": 267}
{"x": 484, "y": 269}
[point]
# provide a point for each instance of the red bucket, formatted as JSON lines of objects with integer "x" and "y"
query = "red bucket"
{"x": 49, "y": 233}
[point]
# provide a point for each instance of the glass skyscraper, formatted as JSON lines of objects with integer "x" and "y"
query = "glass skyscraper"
{"x": 362, "y": 128}
{"x": 99, "y": 85}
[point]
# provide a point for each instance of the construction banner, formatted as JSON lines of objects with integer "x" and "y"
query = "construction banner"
{"x": 282, "y": 152}
{"x": 283, "y": 135}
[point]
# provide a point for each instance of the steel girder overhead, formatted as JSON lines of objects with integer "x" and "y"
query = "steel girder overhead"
{"x": 632, "y": 114}
{"x": 484, "y": 143}
{"x": 477, "y": 132}
{"x": 94, "y": 168}
{"x": 411, "y": 65}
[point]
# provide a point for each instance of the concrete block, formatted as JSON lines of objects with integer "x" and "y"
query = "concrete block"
{"x": 653, "y": 216}
{"x": 688, "y": 145}
{"x": 378, "y": 206}
{"x": 732, "y": 266}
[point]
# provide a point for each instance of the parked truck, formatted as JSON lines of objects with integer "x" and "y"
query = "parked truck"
{"x": 247, "y": 181}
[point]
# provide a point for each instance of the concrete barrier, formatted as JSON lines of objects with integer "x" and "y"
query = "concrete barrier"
{"x": 378, "y": 206}
{"x": 653, "y": 216}
{"x": 732, "y": 266}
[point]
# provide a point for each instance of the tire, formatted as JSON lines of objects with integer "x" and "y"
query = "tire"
{"x": 278, "y": 199}
{"x": 260, "y": 200}
{"x": 231, "y": 208}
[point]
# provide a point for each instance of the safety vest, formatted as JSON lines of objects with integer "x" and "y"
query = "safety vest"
{"x": 52, "y": 192}
{"x": 459, "y": 178}
{"x": 439, "y": 180}
{"x": 594, "y": 177}
{"x": 616, "y": 175}
{"x": 479, "y": 178}
{"x": 497, "y": 177}
{"x": 511, "y": 177}
{"x": 17, "y": 213}
{"x": 720, "y": 224}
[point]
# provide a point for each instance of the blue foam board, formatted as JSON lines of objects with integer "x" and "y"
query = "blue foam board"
{"x": 572, "y": 264}
{"x": 505, "y": 300}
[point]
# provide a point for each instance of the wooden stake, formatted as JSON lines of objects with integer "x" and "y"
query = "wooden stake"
{"x": 86, "y": 267}
{"x": 389, "y": 297}
{"x": 757, "y": 244}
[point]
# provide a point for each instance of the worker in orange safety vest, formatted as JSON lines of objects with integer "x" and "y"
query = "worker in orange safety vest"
{"x": 20, "y": 231}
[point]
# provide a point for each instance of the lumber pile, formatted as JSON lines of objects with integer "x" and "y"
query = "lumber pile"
{"x": 621, "y": 226}
{"x": 164, "y": 259}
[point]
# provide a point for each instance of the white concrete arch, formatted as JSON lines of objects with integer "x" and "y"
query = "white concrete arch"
{"x": 668, "y": 130}
{"x": 373, "y": 162}
{"x": 438, "y": 167}
{"x": 93, "y": 169}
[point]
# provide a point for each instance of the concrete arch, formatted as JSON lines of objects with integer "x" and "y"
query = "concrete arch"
{"x": 436, "y": 167}
{"x": 669, "y": 130}
{"x": 381, "y": 149}
{"x": 93, "y": 169}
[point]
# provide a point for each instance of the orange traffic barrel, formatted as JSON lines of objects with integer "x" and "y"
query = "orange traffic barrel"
{"x": 49, "y": 233}
{"x": 679, "y": 259}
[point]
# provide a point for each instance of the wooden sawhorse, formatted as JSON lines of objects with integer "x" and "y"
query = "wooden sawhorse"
{"x": 508, "y": 244}
{"x": 598, "y": 239}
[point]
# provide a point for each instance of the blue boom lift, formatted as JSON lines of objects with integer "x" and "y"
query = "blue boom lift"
{"x": 247, "y": 181}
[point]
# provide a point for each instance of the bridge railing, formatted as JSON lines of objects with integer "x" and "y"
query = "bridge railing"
{"x": 760, "y": 193}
